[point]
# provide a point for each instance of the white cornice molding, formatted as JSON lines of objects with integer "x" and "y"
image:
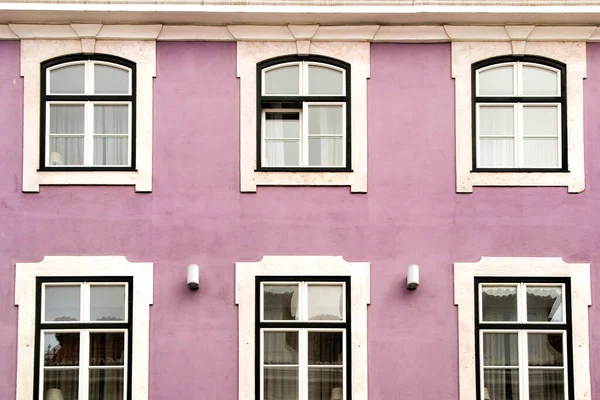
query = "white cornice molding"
{"x": 289, "y": 33}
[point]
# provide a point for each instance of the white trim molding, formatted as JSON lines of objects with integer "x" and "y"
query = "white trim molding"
{"x": 65, "y": 266}
{"x": 357, "y": 54}
{"x": 573, "y": 54}
{"x": 33, "y": 53}
{"x": 542, "y": 267}
{"x": 245, "y": 278}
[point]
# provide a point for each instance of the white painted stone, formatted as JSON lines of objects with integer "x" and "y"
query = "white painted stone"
{"x": 303, "y": 47}
{"x": 88, "y": 45}
{"x": 7, "y": 33}
{"x": 360, "y": 292}
{"x": 31, "y": 31}
{"x": 346, "y": 33}
{"x": 518, "y": 47}
{"x": 355, "y": 53}
{"x": 410, "y": 34}
{"x": 476, "y": 33}
{"x": 303, "y": 32}
{"x": 519, "y": 32}
{"x": 562, "y": 33}
{"x": 131, "y": 32}
{"x": 87, "y": 30}
{"x": 264, "y": 32}
{"x": 191, "y": 32}
{"x": 58, "y": 266}
{"x": 464, "y": 298}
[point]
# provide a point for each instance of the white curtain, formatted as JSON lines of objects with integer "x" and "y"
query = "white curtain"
{"x": 111, "y": 134}
{"x": 496, "y": 137}
{"x": 66, "y": 133}
{"x": 325, "y": 143}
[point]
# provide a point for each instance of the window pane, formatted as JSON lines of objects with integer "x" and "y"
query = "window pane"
{"x": 539, "y": 81}
{"x": 494, "y": 152}
{"x": 325, "y": 81}
{"x": 501, "y": 384}
{"x": 107, "y": 303}
{"x": 280, "y": 302}
{"x": 66, "y": 150}
{"x": 546, "y": 384}
{"x": 111, "y": 119}
{"x": 282, "y": 153}
{"x": 61, "y": 384}
{"x": 497, "y": 81}
{"x": 282, "y": 125}
{"x": 500, "y": 349}
{"x": 111, "y": 80}
{"x": 111, "y": 151}
{"x": 325, "y": 120}
{"x": 281, "y": 383}
{"x": 107, "y": 348}
{"x": 325, "y": 152}
{"x": 325, "y": 383}
{"x": 499, "y": 303}
{"x": 325, "y": 302}
{"x": 62, "y": 303}
{"x": 283, "y": 80}
{"x": 540, "y": 153}
{"x": 281, "y": 348}
{"x": 545, "y": 349}
{"x": 496, "y": 121}
{"x": 61, "y": 349}
{"x": 544, "y": 304}
{"x": 67, "y": 118}
{"x": 540, "y": 121}
{"x": 325, "y": 348}
{"x": 106, "y": 384}
{"x": 68, "y": 80}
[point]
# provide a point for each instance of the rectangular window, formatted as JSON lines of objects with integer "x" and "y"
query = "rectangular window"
{"x": 303, "y": 328}
{"x": 524, "y": 337}
{"x": 83, "y": 338}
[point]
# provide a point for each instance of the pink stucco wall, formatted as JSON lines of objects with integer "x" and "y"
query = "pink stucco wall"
{"x": 196, "y": 214}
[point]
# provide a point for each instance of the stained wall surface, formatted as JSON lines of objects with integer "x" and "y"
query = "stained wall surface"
{"x": 196, "y": 214}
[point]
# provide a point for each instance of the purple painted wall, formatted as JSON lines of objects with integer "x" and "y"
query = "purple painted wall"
{"x": 196, "y": 214}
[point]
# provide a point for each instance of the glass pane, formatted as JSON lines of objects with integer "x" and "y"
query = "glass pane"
{"x": 546, "y": 384}
{"x": 281, "y": 348}
{"x": 68, "y": 80}
{"x": 539, "y": 81}
{"x": 61, "y": 384}
{"x": 110, "y": 80}
{"x": 107, "y": 303}
{"x": 107, "y": 348}
{"x": 66, "y": 150}
{"x": 280, "y": 302}
{"x": 282, "y": 153}
{"x": 498, "y": 153}
{"x": 500, "y": 349}
{"x": 282, "y": 125}
{"x": 496, "y": 81}
{"x": 499, "y": 303}
{"x": 62, "y": 303}
{"x": 281, "y": 383}
{"x": 67, "y": 119}
{"x": 113, "y": 119}
{"x": 540, "y": 121}
{"x": 283, "y": 80}
{"x": 325, "y": 348}
{"x": 61, "y": 349}
{"x": 325, "y": 302}
{"x": 325, "y": 152}
{"x": 325, "y": 120}
{"x": 545, "y": 349}
{"x": 501, "y": 384}
{"x": 544, "y": 304}
{"x": 496, "y": 121}
{"x": 325, "y": 383}
{"x": 111, "y": 151}
{"x": 106, "y": 384}
{"x": 540, "y": 153}
{"x": 325, "y": 81}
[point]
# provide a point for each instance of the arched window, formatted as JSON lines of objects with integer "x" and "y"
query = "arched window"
{"x": 303, "y": 114}
{"x": 519, "y": 114}
{"x": 87, "y": 113}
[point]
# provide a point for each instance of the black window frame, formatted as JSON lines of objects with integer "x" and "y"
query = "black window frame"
{"x": 282, "y": 102}
{"x": 567, "y": 326}
{"x": 39, "y": 325}
{"x": 346, "y": 325}
{"x": 562, "y": 99}
{"x": 45, "y": 97}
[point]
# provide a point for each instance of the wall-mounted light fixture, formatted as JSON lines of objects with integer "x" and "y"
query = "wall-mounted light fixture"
{"x": 412, "y": 277}
{"x": 193, "y": 277}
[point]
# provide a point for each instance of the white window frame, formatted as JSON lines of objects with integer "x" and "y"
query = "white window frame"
{"x": 357, "y": 54}
{"x": 535, "y": 267}
{"x": 82, "y": 266}
{"x": 245, "y": 281}
{"x": 36, "y": 51}
{"x": 573, "y": 55}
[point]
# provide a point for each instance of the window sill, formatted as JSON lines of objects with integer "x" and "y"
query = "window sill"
{"x": 573, "y": 181}
{"x": 357, "y": 180}
{"x": 141, "y": 179}
{"x": 518, "y": 170}
{"x": 301, "y": 169}
{"x": 62, "y": 169}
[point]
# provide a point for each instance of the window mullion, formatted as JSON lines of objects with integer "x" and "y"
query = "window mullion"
{"x": 524, "y": 370}
{"x": 303, "y": 367}
{"x": 518, "y": 135}
{"x": 84, "y": 338}
{"x": 304, "y": 135}
{"x": 88, "y": 134}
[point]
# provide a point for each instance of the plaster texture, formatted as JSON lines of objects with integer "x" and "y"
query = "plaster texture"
{"x": 196, "y": 214}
